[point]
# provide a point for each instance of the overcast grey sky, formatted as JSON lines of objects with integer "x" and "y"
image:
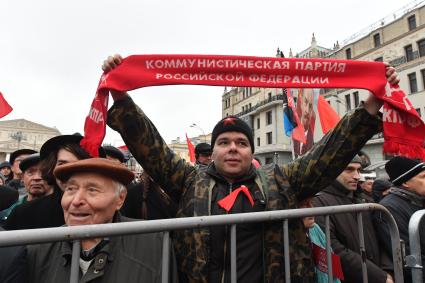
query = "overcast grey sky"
{"x": 52, "y": 50}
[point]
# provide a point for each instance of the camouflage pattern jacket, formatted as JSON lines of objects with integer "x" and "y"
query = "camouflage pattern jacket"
{"x": 286, "y": 186}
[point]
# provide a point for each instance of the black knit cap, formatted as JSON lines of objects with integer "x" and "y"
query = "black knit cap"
{"x": 29, "y": 161}
{"x": 19, "y": 152}
{"x": 114, "y": 152}
{"x": 402, "y": 169}
{"x": 232, "y": 124}
{"x": 203, "y": 148}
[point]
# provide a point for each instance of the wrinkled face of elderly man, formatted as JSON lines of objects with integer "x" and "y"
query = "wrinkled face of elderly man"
{"x": 91, "y": 198}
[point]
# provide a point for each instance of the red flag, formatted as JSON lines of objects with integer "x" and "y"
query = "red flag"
{"x": 328, "y": 117}
{"x": 298, "y": 131}
{"x": 5, "y": 108}
{"x": 191, "y": 149}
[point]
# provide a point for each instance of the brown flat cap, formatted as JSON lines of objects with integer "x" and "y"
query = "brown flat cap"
{"x": 102, "y": 166}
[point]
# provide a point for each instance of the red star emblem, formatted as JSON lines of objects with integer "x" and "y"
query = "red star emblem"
{"x": 229, "y": 121}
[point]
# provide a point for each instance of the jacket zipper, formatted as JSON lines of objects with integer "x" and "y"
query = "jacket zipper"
{"x": 223, "y": 278}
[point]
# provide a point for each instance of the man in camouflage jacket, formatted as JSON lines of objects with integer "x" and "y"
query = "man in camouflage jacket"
{"x": 273, "y": 187}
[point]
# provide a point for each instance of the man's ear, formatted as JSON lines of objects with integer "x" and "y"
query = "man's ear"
{"x": 121, "y": 199}
{"x": 406, "y": 184}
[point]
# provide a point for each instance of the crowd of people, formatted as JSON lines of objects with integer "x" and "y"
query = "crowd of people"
{"x": 63, "y": 185}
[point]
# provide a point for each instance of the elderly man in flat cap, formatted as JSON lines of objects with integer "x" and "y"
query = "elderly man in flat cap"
{"x": 94, "y": 191}
{"x": 15, "y": 159}
{"x": 405, "y": 198}
{"x": 35, "y": 186}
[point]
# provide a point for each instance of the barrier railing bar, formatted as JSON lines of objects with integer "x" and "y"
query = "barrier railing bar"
{"x": 328, "y": 249}
{"x": 286, "y": 251}
{"x": 35, "y": 236}
{"x": 233, "y": 272}
{"x": 165, "y": 257}
{"x": 414, "y": 259}
{"x": 75, "y": 261}
{"x": 395, "y": 245}
{"x": 362, "y": 246}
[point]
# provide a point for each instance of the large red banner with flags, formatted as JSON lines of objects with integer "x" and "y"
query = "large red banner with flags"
{"x": 310, "y": 106}
{"x": 153, "y": 70}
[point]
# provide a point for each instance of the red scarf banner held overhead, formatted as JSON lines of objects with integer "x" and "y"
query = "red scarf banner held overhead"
{"x": 247, "y": 71}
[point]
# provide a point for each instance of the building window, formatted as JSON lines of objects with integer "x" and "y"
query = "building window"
{"x": 243, "y": 108}
{"x": 413, "y": 83}
{"x": 356, "y": 98}
{"x": 412, "y": 22}
{"x": 269, "y": 138}
{"x": 377, "y": 39}
{"x": 269, "y": 160}
{"x": 409, "y": 52}
{"x": 379, "y": 59}
{"x": 348, "y": 53}
{"x": 347, "y": 102}
{"x": 423, "y": 77}
{"x": 269, "y": 95}
{"x": 419, "y": 111}
{"x": 268, "y": 117}
{"x": 258, "y": 141}
{"x": 258, "y": 123}
{"x": 421, "y": 47}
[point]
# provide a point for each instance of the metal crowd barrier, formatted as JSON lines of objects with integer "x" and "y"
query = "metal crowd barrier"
{"x": 414, "y": 260}
{"x": 35, "y": 236}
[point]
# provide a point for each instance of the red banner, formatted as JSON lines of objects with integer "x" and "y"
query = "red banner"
{"x": 153, "y": 70}
{"x": 321, "y": 262}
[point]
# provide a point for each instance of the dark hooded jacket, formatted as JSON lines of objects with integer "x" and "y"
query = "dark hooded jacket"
{"x": 345, "y": 236}
{"x": 280, "y": 187}
{"x": 402, "y": 204}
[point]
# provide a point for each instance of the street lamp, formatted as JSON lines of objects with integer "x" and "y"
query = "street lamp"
{"x": 199, "y": 128}
{"x": 18, "y": 136}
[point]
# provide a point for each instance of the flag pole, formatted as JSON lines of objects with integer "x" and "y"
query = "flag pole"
{"x": 291, "y": 144}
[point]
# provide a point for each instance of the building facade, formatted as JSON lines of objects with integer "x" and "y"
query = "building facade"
{"x": 399, "y": 40}
{"x": 179, "y": 145}
{"x": 21, "y": 133}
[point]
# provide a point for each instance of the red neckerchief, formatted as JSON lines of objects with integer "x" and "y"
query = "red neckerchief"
{"x": 403, "y": 136}
{"x": 228, "y": 201}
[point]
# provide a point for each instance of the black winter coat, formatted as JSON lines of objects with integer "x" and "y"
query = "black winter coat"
{"x": 40, "y": 213}
{"x": 12, "y": 264}
{"x": 345, "y": 237}
{"x": 401, "y": 204}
